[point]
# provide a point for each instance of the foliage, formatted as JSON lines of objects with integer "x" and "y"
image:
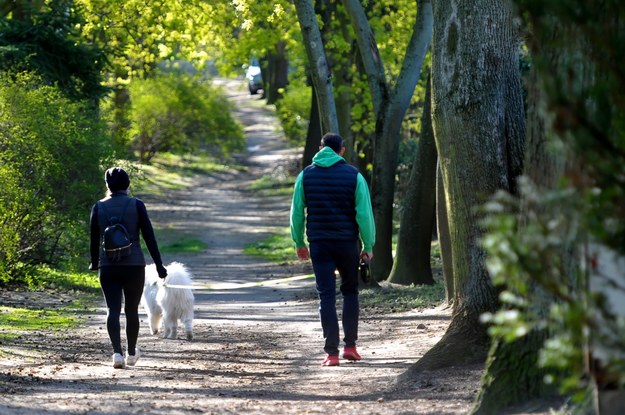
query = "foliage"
{"x": 46, "y": 42}
{"x": 137, "y": 36}
{"x": 177, "y": 112}
{"x": 293, "y": 111}
{"x": 525, "y": 257}
{"x": 44, "y": 277}
{"x": 51, "y": 150}
{"x": 260, "y": 26}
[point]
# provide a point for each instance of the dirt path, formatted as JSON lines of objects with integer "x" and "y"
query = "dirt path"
{"x": 256, "y": 350}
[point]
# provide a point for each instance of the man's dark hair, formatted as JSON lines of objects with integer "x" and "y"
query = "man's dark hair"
{"x": 332, "y": 140}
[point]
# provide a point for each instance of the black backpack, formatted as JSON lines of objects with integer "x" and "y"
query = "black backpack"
{"x": 116, "y": 240}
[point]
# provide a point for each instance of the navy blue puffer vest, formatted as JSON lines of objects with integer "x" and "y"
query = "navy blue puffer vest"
{"x": 330, "y": 202}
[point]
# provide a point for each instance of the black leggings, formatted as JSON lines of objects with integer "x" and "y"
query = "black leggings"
{"x": 122, "y": 283}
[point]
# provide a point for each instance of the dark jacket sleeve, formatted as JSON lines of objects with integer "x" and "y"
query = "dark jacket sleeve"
{"x": 94, "y": 241}
{"x": 145, "y": 225}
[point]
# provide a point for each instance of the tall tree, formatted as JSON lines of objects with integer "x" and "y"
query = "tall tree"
{"x": 412, "y": 260}
{"x": 477, "y": 113}
{"x": 576, "y": 160}
{"x": 513, "y": 375}
{"x": 389, "y": 105}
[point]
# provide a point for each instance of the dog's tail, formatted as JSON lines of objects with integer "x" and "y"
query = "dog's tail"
{"x": 178, "y": 274}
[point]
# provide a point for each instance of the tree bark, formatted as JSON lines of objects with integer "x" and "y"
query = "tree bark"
{"x": 412, "y": 261}
{"x": 563, "y": 74}
{"x": 277, "y": 71}
{"x": 319, "y": 69}
{"x": 313, "y": 133}
{"x": 512, "y": 372}
{"x": 477, "y": 114}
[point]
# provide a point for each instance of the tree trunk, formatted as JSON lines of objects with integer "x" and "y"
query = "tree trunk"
{"x": 563, "y": 75}
{"x": 319, "y": 69}
{"x": 313, "y": 134}
{"x": 477, "y": 114}
{"x": 278, "y": 67}
{"x": 412, "y": 261}
{"x": 512, "y": 373}
{"x": 390, "y": 108}
{"x": 444, "y": 238}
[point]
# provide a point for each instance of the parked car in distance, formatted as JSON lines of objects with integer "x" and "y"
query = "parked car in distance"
{"x": 254, "y": 77}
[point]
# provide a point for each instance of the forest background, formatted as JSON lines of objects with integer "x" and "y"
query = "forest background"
{"x": 492, "y": 136}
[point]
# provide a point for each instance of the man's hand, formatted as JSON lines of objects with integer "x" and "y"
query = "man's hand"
{"x": 302, "y": 254}
{"x": 366, "y": 256}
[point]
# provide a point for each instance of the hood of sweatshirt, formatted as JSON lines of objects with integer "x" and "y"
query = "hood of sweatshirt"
{"x": 326, "y": 157}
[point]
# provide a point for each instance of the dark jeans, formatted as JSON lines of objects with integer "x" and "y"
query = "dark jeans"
{"x": 123, "y": 283}
{"x": 343, "y": 256}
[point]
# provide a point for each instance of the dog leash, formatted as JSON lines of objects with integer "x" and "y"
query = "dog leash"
{"x": 235, "y": 286}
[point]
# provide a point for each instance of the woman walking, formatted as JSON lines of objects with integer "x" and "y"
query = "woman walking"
{"x": 122, "y": 272}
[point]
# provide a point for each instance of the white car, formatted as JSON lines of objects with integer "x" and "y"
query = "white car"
{"x": 254, "y": 78}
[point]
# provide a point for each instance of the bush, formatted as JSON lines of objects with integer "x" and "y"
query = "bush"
{"x": 293, "y": 110}
{"x": 178, "y": 112}
{"x": 51, "y": 151}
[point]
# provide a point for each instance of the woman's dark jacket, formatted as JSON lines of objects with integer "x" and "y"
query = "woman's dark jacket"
{"x": 136, "y": 220}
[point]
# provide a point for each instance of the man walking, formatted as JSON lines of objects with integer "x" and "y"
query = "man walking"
{"x": 331, "y": 201}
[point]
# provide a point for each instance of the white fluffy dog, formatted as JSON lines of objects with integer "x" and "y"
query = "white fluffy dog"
{"x": 168, "y": 304}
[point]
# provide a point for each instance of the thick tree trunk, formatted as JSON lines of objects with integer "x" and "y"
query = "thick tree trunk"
{"x": 412, "y": 261}
{"x": 513, "y": 375}
{"x": 479, "y": 128}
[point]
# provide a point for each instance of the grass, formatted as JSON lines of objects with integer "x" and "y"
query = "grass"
{"x": 45, "y": 277}
{"x": 273, "y": 185}
{"x": 84, "y": 287}
{"x": 19, "y": 319}
{"x": 15, "y": 320}
{"x": 276, "y": 248}
{"x": 190, "y": 246}
{"x": 397, "y": 298}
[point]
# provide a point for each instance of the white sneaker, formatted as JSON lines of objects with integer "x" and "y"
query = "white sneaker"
{"x": 131, "y": 360}
{"x": 118, "y": 361}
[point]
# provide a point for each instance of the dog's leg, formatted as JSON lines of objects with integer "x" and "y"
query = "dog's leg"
{"x": 170, "y": 326}
{"x": 155, "y": 322}
{"x": 188, "y": 327}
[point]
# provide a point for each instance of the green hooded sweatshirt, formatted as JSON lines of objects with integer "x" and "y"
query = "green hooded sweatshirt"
{"x": 326, "y": 157}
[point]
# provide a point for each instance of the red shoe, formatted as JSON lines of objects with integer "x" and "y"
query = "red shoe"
{"x": 331, "y": 361}
{"x": 350, "y": 353}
